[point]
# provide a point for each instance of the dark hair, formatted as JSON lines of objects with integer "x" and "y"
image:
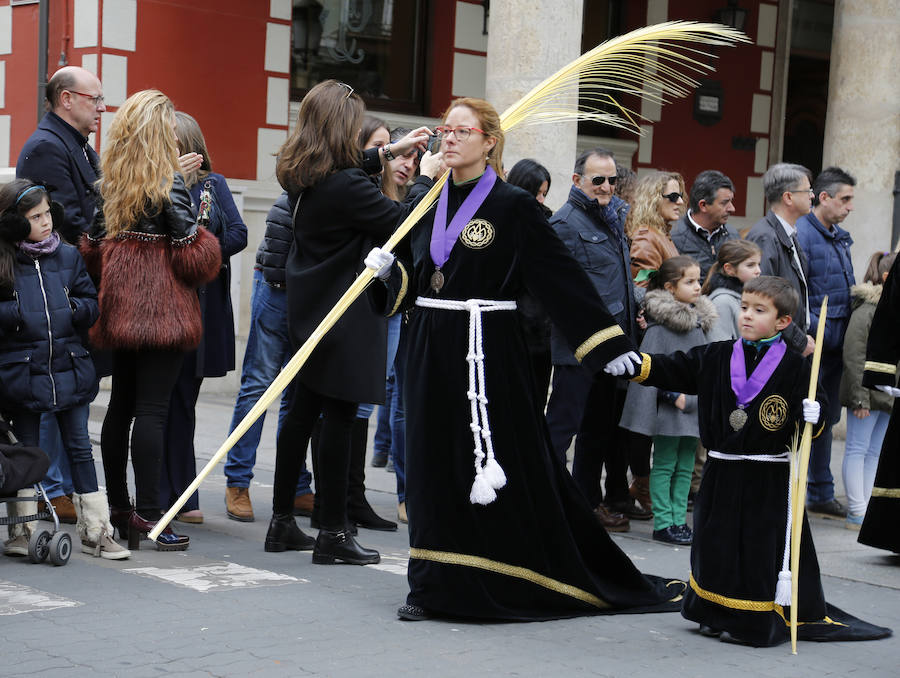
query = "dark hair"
{"x": 830, "y": 180}
{"x": 528, "y": 174}
{"x": 17, "y": 198}
{"x": 782, "y": 178}
{"x": 324, "y": 139}
{"x": 61, "y": 80}
{"x": 705, "y": 187}
{"x": 779, "y": 290}
{"x": 730, "y": 252}
{"x": 671, "y": 271}
{"x": 399, "y": 132}
{"x": 190, "y": 140}
{"x": 879, "y": 264}
{"x": 370, "y": 125}
{"x": 582, "y": 159}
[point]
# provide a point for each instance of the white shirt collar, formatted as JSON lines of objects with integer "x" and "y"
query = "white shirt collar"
{"x": 790, "y": 230}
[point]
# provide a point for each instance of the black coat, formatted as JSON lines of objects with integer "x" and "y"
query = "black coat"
{"x": 690, "y": 243}
{"x": 53, "y": 155}
{"x": 215, "y": 354}
{"x": 338, "y": 221}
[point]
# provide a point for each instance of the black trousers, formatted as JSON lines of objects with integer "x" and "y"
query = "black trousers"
{"x": 590, "y": 407}
{"x": 333, "y": 454}
{"x": 179, "y": 467}
{"x": 142, "y": 383}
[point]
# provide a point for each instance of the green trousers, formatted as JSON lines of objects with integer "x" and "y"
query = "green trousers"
{"x": 670, "y": 479}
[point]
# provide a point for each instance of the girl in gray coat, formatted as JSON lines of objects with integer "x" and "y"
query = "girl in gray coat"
{"x": 868, "y": 410}
{"x": 679, "y": 319}
{"x": 736, "y": 263}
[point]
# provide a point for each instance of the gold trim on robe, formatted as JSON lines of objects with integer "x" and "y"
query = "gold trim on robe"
{"x": 404, "y": 285}
{"x": 888, "y": 492}
{"x": 884, "y": 368}
{"x": 449, "y": 558}
{"x": 645, "y": 369}
{"x": 595, "y": 340}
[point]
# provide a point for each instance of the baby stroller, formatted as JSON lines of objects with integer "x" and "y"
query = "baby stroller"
{"x": 21, "y": 470}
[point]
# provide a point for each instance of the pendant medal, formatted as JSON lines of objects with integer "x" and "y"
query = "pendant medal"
{"x": 737, "y": 419}
{"x": 437, "y": 280}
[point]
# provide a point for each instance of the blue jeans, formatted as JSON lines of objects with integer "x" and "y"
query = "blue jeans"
{"x": 393, "y": 336}
{"x": 59, "y": 476}
{"x": 398, "y": 417}
{"x": 268, "y": 349}
{"x": 820, "y": 482}
{"x": 864, "y": 439}
{"x": 72, "y": 427}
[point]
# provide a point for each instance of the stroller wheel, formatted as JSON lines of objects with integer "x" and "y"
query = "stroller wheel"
{"x": 38, "y": 546}
{"x": 60, "y": 549}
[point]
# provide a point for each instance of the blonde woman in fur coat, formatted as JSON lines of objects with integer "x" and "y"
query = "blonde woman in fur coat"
{"x": 679, "y": 319}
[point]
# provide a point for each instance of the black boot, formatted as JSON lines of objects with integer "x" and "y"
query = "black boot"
{"x": 340, "y": 545}
{"x": 359, "y": 511}
{"x": 314, "y": 454}
{"x": 284, "y": 535}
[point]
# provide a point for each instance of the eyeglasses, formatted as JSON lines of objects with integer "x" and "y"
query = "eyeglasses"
{"x": 96, "y": 100}
{"x": 461, "y": 133}
{"x": 673, "y": 197}
{"x": 350, "y": 90}
{"x": 805, "y": 190}
{"x": 599, "y": 181}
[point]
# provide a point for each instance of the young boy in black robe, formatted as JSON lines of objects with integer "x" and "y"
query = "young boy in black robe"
{"x": 751, "y": 399}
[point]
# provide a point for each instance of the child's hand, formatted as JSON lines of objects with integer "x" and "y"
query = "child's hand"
{"x": 680, "y": 401}
{"x": 811, "y": 411}
{"x": 861, "y": 413}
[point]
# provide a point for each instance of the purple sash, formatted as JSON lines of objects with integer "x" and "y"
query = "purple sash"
{"x": 746, "y": 389}
{"x": 443, "y": 237}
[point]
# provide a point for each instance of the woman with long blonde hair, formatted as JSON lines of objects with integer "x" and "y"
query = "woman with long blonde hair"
{"x": 657, "y": 203}
{"x": 149, "y": 255}
{"x": 513, "y": 537}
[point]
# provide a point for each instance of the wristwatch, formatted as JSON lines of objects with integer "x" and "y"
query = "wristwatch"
{"x": 387, "y": 152}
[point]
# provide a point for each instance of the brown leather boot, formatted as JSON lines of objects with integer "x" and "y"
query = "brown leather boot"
{"x": 237, "y": 504}
{"x": 303, "y": 504}
{"x": 640, "y": 490}
{"x": 612, "y": 521}
{"x": 65, "y": 509}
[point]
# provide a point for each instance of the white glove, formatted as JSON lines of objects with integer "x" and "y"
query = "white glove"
{"x": 811, "y": 411}
{"x": 892, "y": 391}
{"x": 626, "y": 362}
{"x": 380, "y": 261}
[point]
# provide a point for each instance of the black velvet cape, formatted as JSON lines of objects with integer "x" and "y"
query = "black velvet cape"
{"x": 740, "y": 511}
{"x": 881, "y": 526}
{"x": 537, "y": 552}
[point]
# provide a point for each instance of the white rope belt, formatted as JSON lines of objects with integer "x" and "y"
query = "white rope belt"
{"x": 489, "y": 475}
{"x": 783, "y": 587}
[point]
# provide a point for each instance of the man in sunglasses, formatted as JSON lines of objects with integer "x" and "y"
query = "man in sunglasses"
{"x": 703, "y": 229}
{"x": 592, "y": 225}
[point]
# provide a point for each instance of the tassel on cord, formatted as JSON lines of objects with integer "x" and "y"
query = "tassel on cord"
{"x": 494, "y": 474}
{"x": 482, "y": 492}
{"x": 783, "y": 587}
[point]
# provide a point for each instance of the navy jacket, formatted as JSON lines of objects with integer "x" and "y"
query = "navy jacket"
{"x": 36, "y": 373}
{"x": 596, "y": 238}
{"x": 215, "y": 354}
{"x": 54, "y": 155}
{"x": 777, "y": 259}
{"x": 831, "y": 273}
{"x": 272, "y": 253}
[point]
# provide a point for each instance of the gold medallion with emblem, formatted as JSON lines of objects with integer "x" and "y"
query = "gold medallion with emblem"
{"x": 773, "y": 413}
{"x": 478, "y": 234}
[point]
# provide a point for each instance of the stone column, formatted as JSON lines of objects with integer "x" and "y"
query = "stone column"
{"x": 862, "y": 128}
{"x": 528, "y": 41}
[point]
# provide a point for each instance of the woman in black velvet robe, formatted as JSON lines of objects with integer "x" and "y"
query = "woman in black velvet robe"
{"x": 880, "y": 526}
{"x": 740, "y": 511}
{"x": 536, "y": 551}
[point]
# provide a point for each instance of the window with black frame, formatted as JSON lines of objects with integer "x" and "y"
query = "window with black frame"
{"x": 377, "y": 46}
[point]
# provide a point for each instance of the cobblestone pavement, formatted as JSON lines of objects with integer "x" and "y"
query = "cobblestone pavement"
{"x": 227, "y": 608}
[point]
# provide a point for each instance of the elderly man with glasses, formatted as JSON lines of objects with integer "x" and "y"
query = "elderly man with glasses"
{"x": 592, "y": 225}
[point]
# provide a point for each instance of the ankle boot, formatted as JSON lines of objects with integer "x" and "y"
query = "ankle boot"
{"x": 359, "y": 511}
{"x": 340, "y": 545}
{"x": 640, "y": 490}
{"x": 284, "y": 535}
{"x": 20, "y": 533}
{"x": 118, "y": 517}
{"x": 167, "y": 540}
{"x": 94, "y": 528}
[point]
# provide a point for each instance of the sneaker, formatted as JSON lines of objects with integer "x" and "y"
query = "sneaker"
{"x": 17, "y": 546}
{"x": 828, "y": 509}
{"x": 854, "y": 521}
{"x": 104, "y": 547}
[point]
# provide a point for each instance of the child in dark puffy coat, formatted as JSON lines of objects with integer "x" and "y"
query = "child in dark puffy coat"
{"x": 47, "y": 301}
